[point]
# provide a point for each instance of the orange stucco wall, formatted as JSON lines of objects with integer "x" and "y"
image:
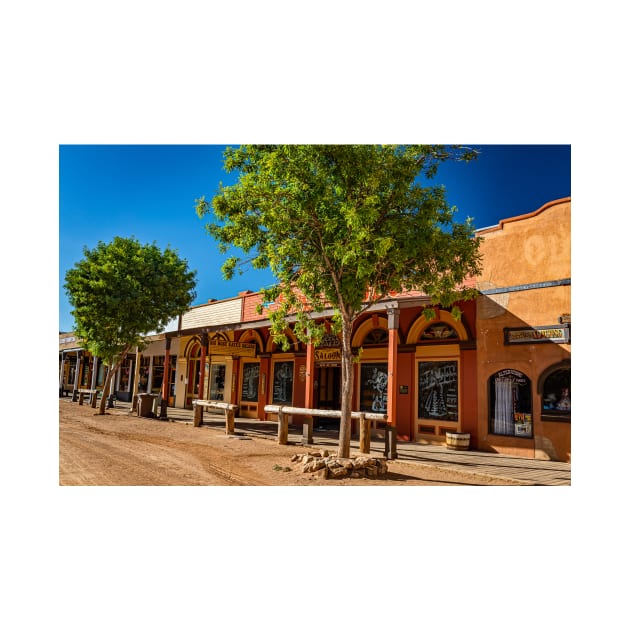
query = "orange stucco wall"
{"x": 526, "y": 250}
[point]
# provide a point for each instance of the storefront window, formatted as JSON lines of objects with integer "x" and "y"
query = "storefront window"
{"x": 374, "y": 387}
{"x": 376, "y": 337}
{"x": 158, "y": 374}
{"x": 85, "y": 372}
{"x": 249, "y": 388}
{"x": 125, "y": 375}
{"x": 143, "y": 380}
{"x": 511, "y": 404}
{"x": 283, "y": 382}
{"x": 100, "y": 375}
{"x": 556, "y": 395}
{"x": 438, "y": 331}
{"x": 172, "y": 375}
{"x": 438, "y": 390}
{"x": 217, "y": 381}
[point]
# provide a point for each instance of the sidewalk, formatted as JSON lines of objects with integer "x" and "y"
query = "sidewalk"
{"x": 531, "y": 472}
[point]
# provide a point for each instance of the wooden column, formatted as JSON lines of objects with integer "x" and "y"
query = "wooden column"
{"x": 309, "y": 399}
{"x": 94, "y": 372}
{"x": 236, "y": 366}
{"x": 136, "y": 381}
{"x": 79, "y": 369}
{"x": 165, "y": 381}
{"x": 262, "y": 385}
{"x": 202, "y": 365}
{"x": 63, "y": 364}
{"x": 392, "y": 361}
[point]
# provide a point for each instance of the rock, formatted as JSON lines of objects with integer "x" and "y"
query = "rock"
{"x": 364, "y": 460}
{"x": 332, "y": 466}
{"x": 314, "y": 465}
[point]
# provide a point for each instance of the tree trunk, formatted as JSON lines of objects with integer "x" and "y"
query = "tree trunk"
{"x": 106, "y": 387}
{"x": 111, "y": 372}
{"x": 347, "y": 378}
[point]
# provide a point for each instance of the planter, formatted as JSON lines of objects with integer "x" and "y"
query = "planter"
{"x": 457, "y": 441}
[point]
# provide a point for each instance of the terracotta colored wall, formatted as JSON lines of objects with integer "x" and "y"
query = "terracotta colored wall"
{"x": 530, "y": 249}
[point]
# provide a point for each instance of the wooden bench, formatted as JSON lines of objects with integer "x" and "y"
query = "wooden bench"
{"x": 365, "y": 419}
{"x": 228, "y": 409}
{"x": 80, "y": 394}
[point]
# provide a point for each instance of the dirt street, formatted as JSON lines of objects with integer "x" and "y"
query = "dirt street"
{"x": 120, "y": 449}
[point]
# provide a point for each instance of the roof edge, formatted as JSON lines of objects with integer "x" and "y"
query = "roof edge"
{"x": 521, "y": 217}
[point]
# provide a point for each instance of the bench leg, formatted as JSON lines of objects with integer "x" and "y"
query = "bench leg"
{"x": 307, "y": 430}
{"x": 364, "y": 434}
{"x": 283, "y": 428}
{"x": 198, "y": 416}
{"x": 229, "y": 421}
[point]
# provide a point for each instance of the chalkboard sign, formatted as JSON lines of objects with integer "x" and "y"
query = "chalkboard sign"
{"x": 283, "y": 382}
{"x": 249, "y": 388}
{"x": 437, "y": 390}
{"x": 374, "y": 387}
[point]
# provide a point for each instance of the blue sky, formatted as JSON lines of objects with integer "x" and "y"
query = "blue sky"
{"x": 148, "y": 191}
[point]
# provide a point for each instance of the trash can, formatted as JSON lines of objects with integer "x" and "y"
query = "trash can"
{"x": 145, "y": 405}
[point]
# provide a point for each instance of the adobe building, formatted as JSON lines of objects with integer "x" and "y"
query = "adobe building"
{"x": 523, "y": 335}
{"x": 500, "y": 373}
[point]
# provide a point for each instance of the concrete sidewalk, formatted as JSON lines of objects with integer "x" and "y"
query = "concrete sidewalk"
{"x": 531, "y": 472}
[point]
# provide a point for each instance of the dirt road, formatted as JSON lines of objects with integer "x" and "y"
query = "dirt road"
{"x": 119, "y": 449}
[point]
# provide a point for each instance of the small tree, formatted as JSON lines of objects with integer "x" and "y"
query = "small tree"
{"x": 342, "y": 226}
{"x": 121, "y": 292}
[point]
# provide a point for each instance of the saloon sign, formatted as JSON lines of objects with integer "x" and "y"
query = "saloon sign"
{"x": 329, "y": 351}
{"x": 537, "y": 334}
{"x": 327, "y": 354}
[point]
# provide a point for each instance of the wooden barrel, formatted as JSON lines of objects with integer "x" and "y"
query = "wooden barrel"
{"x": 457, "y": 441}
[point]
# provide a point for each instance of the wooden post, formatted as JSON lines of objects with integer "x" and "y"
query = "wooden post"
{"x": 165, "y": 380}
{"x": 81, "y": 395}
{"x": 364, "y": 434}
{"x": 390, "y": 442}
{"x": 283, "y": 427}
{"x": 136, "y": 381}
{"x": 229, "y": 420}
{"x": 197, "y": 415}
{"x": 202, "y": 365}
{"x": 307, "y": 430}
{"x": 76, "y": 375}
{"x": 93, "y": 397}
{"x": 392, "y": 367}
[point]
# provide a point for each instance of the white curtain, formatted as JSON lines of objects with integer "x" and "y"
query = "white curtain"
{"x": 503, "y": 406}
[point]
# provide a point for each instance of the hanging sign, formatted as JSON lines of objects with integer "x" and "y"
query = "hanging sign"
{"x": 537, "y": 334}
{"x": 327, "y": 354}
{"x": 233, "y": 348}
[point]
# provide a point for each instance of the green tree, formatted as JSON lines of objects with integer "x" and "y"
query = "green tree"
{"x": 122, "y": 291}
{"x": 342, "y": 226}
